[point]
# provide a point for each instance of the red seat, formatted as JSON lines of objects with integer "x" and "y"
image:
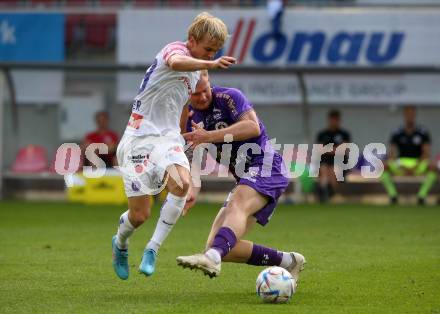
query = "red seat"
{"x": 77, "y": 3}
{"x": 179, "y": 3}
{"x": 44, "y": 3}
{"x": 9, "y": 3}
{"x": 110, "y": 3}
{"x": 214, "y": 3}
{"x": 74, "y": 30}
{"x": 99, "y": 30}
{"x": 144, "y": 3}
{"x": 30, "y": 159}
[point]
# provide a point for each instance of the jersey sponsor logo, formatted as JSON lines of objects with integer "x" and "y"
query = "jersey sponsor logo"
{"x": 135, "y": 120}
{"x": 217, "y": 114}
{"x": 315, "y": 47}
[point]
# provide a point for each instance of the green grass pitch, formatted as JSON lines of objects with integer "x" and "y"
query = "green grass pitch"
{"x": 56, "y": 257}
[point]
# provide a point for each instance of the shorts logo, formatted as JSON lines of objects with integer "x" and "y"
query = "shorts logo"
{"x": 138, "y": 159}
{"x": 177, "y": 149}
{"x": 135, "y": 120}
{"x": 135, "y": 186}
{"x": 139, "y": 168}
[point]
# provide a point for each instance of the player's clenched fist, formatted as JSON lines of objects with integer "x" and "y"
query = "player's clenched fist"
{"x": 223, "y": 62}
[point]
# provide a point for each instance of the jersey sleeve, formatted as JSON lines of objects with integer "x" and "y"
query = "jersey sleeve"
{"x": 172, "y": 49}
{"x": 237, "y": 104}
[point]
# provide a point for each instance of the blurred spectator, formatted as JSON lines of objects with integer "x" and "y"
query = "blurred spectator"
{"x": 409, "y": 154}
{"x": 336, "y": 135}
{"x": 102, "y": 135}
{"x": 275, "y": 9}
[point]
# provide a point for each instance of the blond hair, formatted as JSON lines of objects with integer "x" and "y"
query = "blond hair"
{"x": 207, "y": 24}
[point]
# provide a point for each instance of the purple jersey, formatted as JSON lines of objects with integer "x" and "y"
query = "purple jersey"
{"x": 228, "y": 106}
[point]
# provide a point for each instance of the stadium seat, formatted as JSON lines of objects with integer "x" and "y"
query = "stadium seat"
{"x": 111, "y": 3}
{"x": 100, "y": 30}
{"x": 144, "y": 3}
{"x": 215, "y": 3}
{"x": 10, "y": 3}
{"x": 44, "y": 3}
{"x": 179, "y": 3}
{"x": 77, "y": 3}
{"x": 30, "y": 159}
{"x": 74, "y": 30}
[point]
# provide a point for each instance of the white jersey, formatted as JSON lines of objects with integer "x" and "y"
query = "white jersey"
{"x": 162, "y": 95}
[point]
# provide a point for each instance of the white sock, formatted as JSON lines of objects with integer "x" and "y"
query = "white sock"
{"x": 286, "y": 261}
{"x": 125, "y": 230}
{"x": 214, "y": 255}
{"x": 169, "y": 214}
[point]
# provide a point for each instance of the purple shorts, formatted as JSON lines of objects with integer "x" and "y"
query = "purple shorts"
{"x": 271, "y": 186}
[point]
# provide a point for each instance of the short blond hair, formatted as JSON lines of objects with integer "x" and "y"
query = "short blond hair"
{"x": 207, "y": 24}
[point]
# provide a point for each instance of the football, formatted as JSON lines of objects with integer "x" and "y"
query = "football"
{"x": 275, "y": 285}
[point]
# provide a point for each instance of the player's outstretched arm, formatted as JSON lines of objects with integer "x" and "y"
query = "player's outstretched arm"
{"x": 186, "y": 63}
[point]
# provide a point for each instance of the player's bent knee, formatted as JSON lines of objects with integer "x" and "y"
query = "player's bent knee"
{"x": 233, "y": 208}
{"x": 139, "y": 217}
{"x": 180, "y": 189}
{"x": 139, "y": 213}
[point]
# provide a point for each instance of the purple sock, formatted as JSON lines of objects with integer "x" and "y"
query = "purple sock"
{"x": 264, "y": 256}
{"x": 224, "y": 241}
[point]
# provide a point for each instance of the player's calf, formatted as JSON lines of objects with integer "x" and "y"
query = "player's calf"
{"x": 293, "y": 262}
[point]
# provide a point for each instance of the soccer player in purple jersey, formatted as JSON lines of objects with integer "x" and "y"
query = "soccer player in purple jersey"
{"x": 224, "y": 112}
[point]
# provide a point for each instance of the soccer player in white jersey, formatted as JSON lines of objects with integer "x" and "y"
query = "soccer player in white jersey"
{"x": 150, "y": 154}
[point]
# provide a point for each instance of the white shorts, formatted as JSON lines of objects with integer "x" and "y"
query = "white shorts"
{"x": 143, "y": 161}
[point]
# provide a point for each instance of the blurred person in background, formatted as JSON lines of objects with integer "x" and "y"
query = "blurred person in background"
{"x": 327, "y": 181}
{"x": 102, "y": 134}
{"x": 409, "y": 154}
